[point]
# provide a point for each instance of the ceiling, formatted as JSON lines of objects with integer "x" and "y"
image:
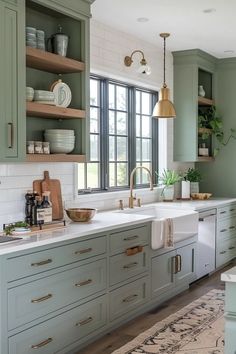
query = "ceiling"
{"x": 213, "y": 31}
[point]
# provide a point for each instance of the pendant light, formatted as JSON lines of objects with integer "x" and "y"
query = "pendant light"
{"x": 164, "y": 108}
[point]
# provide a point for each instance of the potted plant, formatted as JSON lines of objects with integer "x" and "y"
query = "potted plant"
{"x": 168, "y": 178}
{"x": 194, "y": 177}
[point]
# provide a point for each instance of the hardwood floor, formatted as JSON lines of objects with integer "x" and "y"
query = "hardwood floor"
{"x": 115, "y": 339}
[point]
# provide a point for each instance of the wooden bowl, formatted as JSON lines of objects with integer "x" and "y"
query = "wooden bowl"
{"x": 80, "y": 214}
{"x": 201, "y": 196}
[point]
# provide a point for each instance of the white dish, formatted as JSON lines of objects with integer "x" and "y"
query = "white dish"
{"x": 51, "y": 103}
{"x": 62, "y": 94}
{"x": 60, "y": 131}
{"x": 61, "y": 149}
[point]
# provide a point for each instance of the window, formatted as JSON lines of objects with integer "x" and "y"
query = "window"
{"x": 122, "y": 135}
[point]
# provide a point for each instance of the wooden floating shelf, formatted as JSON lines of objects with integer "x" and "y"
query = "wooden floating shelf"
{"x": 205, "y": 159}
{"x": 34, "y": 109}
{"x": 202, "y": 101}
{"x": 50, "y": 62}
{"x": 55, "y": 158}
{"x": 204, "y": 130}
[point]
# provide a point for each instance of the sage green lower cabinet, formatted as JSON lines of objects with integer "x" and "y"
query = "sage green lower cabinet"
{"x": 57, "y": 298}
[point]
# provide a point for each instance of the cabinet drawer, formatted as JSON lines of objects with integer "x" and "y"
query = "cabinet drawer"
{"x": 120, "y": 241}
{"x": 51, "y": 336}
{"x": 225, "y": 251}
{"x": 123, "y": 267}
{"x": 226, "y": 211}
{"x": 226, "y": 228}
{"x": 37, "y": 262}
{"x": 38, "y": 298}
{"x": 129, "y": 297}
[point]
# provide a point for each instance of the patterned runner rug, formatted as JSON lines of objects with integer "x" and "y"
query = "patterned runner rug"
{"x": 197, "y": 328}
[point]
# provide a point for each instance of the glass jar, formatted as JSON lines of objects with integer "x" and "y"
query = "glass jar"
{"x": 38, "y": 147}
{"x": 46, "y": 147}
{"x": 30, "y": 147}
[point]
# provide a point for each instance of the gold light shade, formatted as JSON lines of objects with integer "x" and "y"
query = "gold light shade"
{"x": 164, "y": 108}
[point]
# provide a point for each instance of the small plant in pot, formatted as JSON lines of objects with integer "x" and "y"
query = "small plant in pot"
{"x": 168, "y": 178}
{"x": 194, "y": 177}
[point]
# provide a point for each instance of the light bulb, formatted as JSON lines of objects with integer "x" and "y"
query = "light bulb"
{"x": 144, "y": 69}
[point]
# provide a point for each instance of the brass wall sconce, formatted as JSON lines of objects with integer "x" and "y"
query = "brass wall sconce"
{"x": 144, "y": 68}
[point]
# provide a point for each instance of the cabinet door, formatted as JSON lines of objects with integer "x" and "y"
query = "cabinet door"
{"x": 13, "y": 82}
{"x": 185, "y": 257}
{"x": 162, "y": 273}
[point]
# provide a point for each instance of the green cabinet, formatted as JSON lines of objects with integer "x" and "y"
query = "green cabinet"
{"x": 191, "y": 69}
{"x": 173, "y": 269}
{"x": 12, "y": 86}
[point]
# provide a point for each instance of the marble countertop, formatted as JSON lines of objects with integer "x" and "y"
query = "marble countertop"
{"x": 102, "y": 222}
{"x": 197, "y": 204}
{"x": 229, "y": 275}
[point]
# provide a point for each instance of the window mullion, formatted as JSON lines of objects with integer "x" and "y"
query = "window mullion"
{"x": 104, "y": 134}
{"x": 131, "y": 129}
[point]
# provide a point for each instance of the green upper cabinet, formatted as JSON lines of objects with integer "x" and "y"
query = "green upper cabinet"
{"x": 12, "y": 86}
{"x": 192, "y": 68}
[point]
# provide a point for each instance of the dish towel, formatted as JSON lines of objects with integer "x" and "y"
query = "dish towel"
{"x": 168, "y": 233}
{"x": 157, "y": 233}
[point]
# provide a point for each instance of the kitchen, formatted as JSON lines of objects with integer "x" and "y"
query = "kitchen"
{"x": 108, "y": 48}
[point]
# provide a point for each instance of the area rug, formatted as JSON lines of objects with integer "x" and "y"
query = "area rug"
{"x": 197, "y": 328}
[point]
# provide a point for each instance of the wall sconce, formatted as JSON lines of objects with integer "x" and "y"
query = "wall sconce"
{"x": 144, "y": 68}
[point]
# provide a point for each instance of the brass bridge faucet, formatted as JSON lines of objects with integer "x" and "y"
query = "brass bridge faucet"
{"x": 132, "y": 198}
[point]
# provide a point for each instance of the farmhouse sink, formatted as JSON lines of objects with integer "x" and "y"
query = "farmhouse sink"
{"x": 185, "y": 222}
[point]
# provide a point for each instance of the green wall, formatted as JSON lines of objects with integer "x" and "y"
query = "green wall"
{"x": 219, "y": 177}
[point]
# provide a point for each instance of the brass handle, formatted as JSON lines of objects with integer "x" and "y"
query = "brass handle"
{"x": 231, "y": 248}
{"x": 42, "y": 344}
{"x": 86, "y": 250}
{"x": 82, "y": 283}
{"x": 130, "y": 265}
{"x": 174, "y": 265}
{"x": 223, "y": 230}
{"x": 179, "y": 263}
{"x": 129, "y": 238}
{"x": 130, "y": 298}
{"x": 41, "y": 299}
{"x": 232, "y": 227}
{"x": 84, "y": 322}
{"x": 222, "y": 212}
{"x": 37, "y": 264}
{"x": 222, "y": 252}
{"x": 10, "y": 135}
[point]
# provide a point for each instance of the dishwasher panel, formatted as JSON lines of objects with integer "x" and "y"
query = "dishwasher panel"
{"x": 206, "y": 243}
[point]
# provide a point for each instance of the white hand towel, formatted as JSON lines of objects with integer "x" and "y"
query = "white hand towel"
{"x": 157, "y": 233}
{"x": 168, "y": 232}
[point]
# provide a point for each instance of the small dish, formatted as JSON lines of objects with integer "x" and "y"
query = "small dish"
{"x": 62, "y": 93}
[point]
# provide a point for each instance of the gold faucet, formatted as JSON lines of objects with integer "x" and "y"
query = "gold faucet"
{"x": 132, "y": 198}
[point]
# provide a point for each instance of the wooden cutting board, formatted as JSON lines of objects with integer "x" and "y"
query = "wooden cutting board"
{"x": 54, "y": 187}
{"x": 37, "y": 186}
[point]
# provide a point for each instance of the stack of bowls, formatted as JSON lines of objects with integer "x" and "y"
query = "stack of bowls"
{"x": 62, "y": 141}
{"x": 45, "y": 97}
{"x": 31, "y": 39}
{"x": 40, "y": 35}
{"x": 29, "y": 93}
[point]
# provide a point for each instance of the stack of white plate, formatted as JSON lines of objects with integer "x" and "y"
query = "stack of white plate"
{"x": 30, "y": 35}
{"x": 45, "y": 97}
{"x": 40, "y": 39}
{"x": 62, "y": 141}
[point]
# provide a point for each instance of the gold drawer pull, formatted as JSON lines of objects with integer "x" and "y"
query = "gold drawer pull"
{"x": 223, "y": 230}
{"x": 222, "y": 252}
{"x": 232, "y": 227}
{"x": 42, "y": 344}
{"x": 130, "y": 238}
{"x": 222, "y": 212}
{"x": 232, "y": 209}
{"x": 86, "y": 250}
{"x": 232, "y": 248}
{"x": 41, "y": 299}
{"x": 130, "y": 298}
{"x": 82, "y": 283}
{"x": 37, "y": 264}
{"x": 130, "y": 265}
{"x": 134, "y": 250}
{"x": 84, "y": 322}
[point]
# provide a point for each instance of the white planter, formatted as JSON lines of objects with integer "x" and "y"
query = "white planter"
{"x": 185, "y": 190}
{"x": 194, "y": 187}
{"x": 168, "y": 193}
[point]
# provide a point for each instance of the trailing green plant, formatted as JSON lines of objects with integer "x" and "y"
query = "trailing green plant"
{"x": 208, "y": 118}
{"x": 192, "y": 175}
{"x": 11, "y": 227}
{"x": 168, "y": 177}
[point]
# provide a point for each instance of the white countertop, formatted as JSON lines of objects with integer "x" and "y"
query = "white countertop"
{"x": 229, "y": 275}
{"x": 100, "y": 223}
{"x": 197, "y": 204}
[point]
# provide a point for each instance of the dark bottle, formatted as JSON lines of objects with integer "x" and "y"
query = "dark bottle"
{"x": 47, "y": 206}
{"x": 28, "y": 207}
{"x": 38, "y": 211}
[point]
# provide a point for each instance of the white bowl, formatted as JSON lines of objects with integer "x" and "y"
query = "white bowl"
{"x": 29, "y": 94}
{"x": 61, "y": 149}
{"x": 40, "y": 95}
{"x": 60, "y": 131}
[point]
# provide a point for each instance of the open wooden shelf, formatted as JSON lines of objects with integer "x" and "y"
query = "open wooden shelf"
{"x": 34, "y": 109}
{"x": 204, "y": 130}
{"x": 202, "y": 101}
{"x": 50, "y": 62}
{"x": 55, "y": 158}
{"x": 205, "y": 159}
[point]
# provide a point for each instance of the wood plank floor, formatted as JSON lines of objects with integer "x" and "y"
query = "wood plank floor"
{"x": 115, "y": 339}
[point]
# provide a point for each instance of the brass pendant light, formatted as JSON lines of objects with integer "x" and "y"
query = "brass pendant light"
{"x": 164, "y": 108}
